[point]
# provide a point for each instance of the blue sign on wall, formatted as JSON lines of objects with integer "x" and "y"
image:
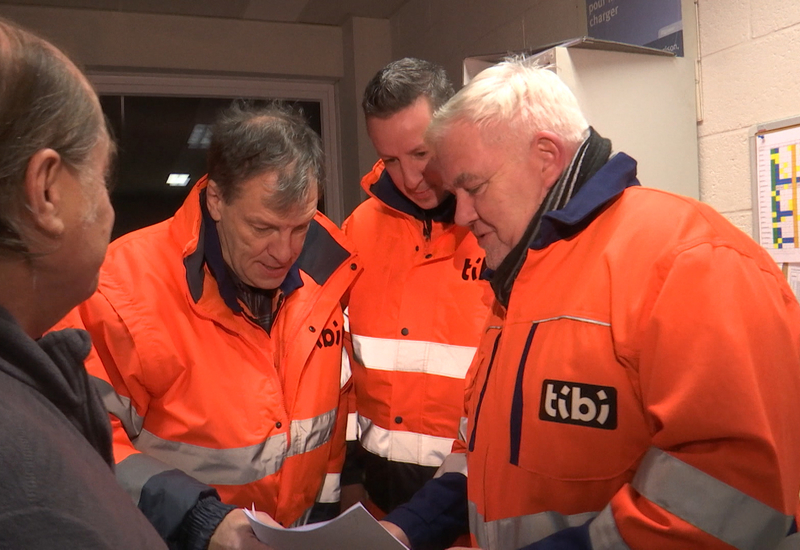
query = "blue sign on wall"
{"x": 653, "y": 23}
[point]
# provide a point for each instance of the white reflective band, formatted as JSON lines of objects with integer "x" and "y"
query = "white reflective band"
{"x": 453, "y": 463}
{"x": 120, "y": 406}
{"x": 462, "y": 429}
{"x": 330, "y": 489}
{"x": 709, "y": 504}
{"x": 604, "y": 534}
{"x": 516, "y": 532}
{"x": 239, "y": 465}
{"x": 352, "y": 427}
{"x": 413, "y": 356}
{"x": 399, "y": 446}
{"x": 346, "y": 371}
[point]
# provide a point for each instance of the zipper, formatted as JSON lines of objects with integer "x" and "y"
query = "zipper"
{"x": 483, "y": 393}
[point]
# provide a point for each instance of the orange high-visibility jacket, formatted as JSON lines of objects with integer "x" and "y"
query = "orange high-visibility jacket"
{"x": 645, "y": 378}
{"x": 415, "y": 316}
{"x": 193, "y": 385}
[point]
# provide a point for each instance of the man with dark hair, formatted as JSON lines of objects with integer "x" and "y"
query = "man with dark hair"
{"x": 417, "y": 309}
{"x": 56, "y": 466}
{"x": 218, "y": 341}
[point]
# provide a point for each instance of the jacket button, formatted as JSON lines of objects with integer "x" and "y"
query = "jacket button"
{"x": 416, "y": 249}
{"x": 353, "y": 267}
{"x": 312, "y": 329}
{"x": 398, "y": 419}
{"x": 404, "y": 332}
{"x": 278, "y": 424}
{"x": 428, "y": 256}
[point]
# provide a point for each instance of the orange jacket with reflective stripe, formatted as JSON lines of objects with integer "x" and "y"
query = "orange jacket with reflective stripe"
{"x": 203, "y": 389}
{"x": 415, "y": 315}
{"x": 658, "y": 327}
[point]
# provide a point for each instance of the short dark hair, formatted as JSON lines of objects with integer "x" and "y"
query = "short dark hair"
{"x": 400, "y": 83}
{"x": 44, "y": 103}
{"x": 248, "y": 140}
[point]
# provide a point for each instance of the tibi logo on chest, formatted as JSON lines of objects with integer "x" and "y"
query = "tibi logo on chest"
{"x": 579, "y": 404}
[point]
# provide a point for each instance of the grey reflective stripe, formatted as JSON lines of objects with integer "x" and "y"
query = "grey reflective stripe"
{"x": 573, "y": 318}
{"x": 462, "y": 429}
{"x": 120, "y": 406}
{"x": 133, "y": 472}
{"x": 310, "y": 433}
{"x": 241, "y": 465}
{"x": 453, "y": 463}
{"x": 709, "y": 504}
{"x": 236, "y": 466}
{"x": 604, "y": 534}
{"x": 516, "y": 532}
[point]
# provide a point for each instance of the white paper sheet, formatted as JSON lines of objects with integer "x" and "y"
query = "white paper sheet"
{"x": 354, "y": 529}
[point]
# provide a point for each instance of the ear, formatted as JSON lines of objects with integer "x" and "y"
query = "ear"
{"x": 44, "y": 191}
{"x": 550, "y": 153}
{"x": 214, "y": 200}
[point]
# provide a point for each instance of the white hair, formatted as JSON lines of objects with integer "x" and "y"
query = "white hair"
{"x": 516, "y": 98}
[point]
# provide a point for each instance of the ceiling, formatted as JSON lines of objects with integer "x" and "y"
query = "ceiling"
{"x": 321, "y": 12}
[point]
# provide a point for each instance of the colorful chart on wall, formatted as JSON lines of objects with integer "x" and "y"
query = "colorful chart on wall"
{"x": 776, "y": 171}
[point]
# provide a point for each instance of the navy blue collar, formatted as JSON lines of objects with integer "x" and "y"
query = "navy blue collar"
{"x": 212, "y": 254}
{"x": 602, "y": 189}
{"x": 387, "y": 192}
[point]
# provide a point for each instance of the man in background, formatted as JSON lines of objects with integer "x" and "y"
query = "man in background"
{"x": 218, "y": 341}
{"x": 641, "y": 364}
{"x": 417, "y": 310}
{"x": 56, "y": 465}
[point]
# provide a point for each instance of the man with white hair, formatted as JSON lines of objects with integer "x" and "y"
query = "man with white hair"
{"x": 635, "y": 381}
{"x": 56, "y": 463}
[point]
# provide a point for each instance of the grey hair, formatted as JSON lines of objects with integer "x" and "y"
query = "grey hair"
{"x": 247, "y": 141}
{"x": 44, "y": 103}
{"x": 515, "y": 98}
{"x": 400, "y": 83}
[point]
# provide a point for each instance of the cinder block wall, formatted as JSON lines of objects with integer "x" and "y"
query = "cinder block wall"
{"x": 749, "y": 54}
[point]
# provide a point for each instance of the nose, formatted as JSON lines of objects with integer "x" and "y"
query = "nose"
{"x": 412, "y": 174}
{"x": 465, "y": 208}
{"x": 281, "y": 248}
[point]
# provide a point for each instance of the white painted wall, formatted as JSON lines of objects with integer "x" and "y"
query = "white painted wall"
{"x": 749, "y": 54}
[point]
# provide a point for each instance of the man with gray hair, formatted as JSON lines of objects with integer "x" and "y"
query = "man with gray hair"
{"x": 218, "y": 341}
{"x": 641, "y": 364}
{"x": 417, "y": 310}
{"x": 56, "y": 463}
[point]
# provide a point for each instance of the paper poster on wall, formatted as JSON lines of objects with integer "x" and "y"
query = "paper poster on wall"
{"x": 777, "y": 178}
{"x": 653, "y": 23}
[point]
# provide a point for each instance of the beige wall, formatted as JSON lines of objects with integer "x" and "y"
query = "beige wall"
{"x": 749, "y": 51}
{"x": 367, "y": 48}
{"x": 105, "y": 39}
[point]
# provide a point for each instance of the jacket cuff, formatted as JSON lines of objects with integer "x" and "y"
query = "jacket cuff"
{"x": 436, "y": 515}
{"x": 202, "y": 521}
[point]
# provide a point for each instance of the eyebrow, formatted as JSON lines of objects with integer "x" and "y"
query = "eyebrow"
{"x": 463, "y": 178}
